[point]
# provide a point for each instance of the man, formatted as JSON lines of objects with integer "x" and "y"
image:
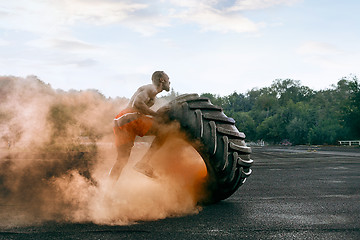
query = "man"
{"x": 137, "y": 120}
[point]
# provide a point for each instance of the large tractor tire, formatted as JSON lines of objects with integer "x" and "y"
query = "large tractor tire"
{"x": 222, "y": 146}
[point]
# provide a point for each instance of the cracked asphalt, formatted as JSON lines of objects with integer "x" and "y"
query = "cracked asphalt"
{"x": 293, "y": 193}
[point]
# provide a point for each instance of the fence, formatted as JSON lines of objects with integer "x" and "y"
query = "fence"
{"x": 350, "y": 142}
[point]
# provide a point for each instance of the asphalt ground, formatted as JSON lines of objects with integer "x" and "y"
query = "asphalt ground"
{"x": 293, "y": 193}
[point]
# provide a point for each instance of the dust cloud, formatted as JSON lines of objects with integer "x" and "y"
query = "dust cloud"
{"x": 56, "y": 150}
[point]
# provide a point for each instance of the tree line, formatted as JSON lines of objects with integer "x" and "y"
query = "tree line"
{"x": 285, "y": 110}
{"x": 289, "y": 110}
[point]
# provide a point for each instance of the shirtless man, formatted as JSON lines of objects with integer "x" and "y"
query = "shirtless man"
{"x": 136, "y": 120}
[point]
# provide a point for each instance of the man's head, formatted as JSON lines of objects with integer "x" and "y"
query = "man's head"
{"x": 161, "y": 79}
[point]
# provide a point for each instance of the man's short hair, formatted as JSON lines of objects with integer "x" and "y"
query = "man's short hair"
{"x": 156, "y": 77}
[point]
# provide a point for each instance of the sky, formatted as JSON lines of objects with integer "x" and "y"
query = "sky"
{"x": 213, "y": 46}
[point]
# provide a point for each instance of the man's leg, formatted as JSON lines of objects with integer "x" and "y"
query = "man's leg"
{"x": 123, "y": 154}
{"x": 150, "y": 127}
{"x": 144, "y": 165}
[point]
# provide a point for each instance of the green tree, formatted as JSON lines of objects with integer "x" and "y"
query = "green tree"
{"x": 214, "y": 99}
{"x": 236, "y": 102}
{"x": 288, "y": 110}
{"x": 326, "y": 131}
{"x": 298, "y": 131}
{"x": 245, "y": 123}
{"x": 288, "y": 89}
{"x": 271, "y": 129}
{"x": 352, "y": 109}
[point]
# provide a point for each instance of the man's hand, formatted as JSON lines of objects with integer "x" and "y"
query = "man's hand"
{"x": 162, "y": 114}
{"x": 163, "y": 110}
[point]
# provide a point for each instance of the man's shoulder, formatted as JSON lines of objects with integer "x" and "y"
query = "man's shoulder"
{"x": 149, "y": 88}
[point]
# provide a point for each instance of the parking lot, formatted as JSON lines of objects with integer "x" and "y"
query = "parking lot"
{"x": 293, "y": 193}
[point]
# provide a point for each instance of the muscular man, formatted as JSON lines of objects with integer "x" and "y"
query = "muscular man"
{"x": 136, "y": 120}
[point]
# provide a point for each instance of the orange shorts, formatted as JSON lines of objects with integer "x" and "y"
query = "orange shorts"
{"x": 128, "y": 124}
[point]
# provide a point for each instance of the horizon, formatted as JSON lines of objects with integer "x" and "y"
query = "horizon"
{"x": 172, "y": 90}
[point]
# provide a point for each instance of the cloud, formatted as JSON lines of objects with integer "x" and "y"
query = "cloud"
{"x": 72, "y": 44}
{"x": 53, "y": 17}
{"x": 223, "y": 16}
{"x": 327, "y": 56}
{"x": 88, "y": 62}
{"x": 146, "y": 23}
{"x": 210, "y": 19}
{"x": 100, "y": 11}
{"x": 145, "y": 17}
{"x": 35, "y": 17}
{"x": 242, "y": 5}
{"x": 64, "y": 44}
{"x": 318, "y": 48}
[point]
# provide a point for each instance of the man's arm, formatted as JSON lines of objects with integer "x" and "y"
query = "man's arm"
{"x": 141, "y": 99}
